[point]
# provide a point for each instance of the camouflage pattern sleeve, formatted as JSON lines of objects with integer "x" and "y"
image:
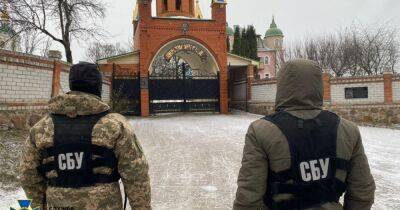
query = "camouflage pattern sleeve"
{"x": 32, "y": 182}
{"x": 134, "y": 170}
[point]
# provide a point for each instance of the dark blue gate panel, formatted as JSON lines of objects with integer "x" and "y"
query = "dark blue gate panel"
{"x": 202, "y": 89}
{"x": 166, "y": 89}
{"x": 194, "y": 94}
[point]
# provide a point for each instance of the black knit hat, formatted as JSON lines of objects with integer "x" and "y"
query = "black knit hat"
{"x": 85, "y": 77}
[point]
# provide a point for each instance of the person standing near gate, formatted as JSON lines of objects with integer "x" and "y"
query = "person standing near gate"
{"x": 75, "y": 156}
{"x": 302, "y": 157}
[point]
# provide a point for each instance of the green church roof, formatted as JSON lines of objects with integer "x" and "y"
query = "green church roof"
{"x": 273, "y": 30}
{"x": 6, "y": 28}
{"x": 229, "y": 31}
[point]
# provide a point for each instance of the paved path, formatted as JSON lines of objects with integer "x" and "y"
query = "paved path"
{"x": 195, "y": 158}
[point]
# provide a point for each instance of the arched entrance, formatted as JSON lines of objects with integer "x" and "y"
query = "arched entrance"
{"x": 184, "y": 77}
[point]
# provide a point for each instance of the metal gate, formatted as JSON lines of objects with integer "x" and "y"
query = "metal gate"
{"x": 181, "y": 91}
{"x": 126, "y": 93}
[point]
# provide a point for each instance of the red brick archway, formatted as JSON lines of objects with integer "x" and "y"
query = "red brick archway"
{"x": 187, "y": 39}
{"x": 152, "y": 33}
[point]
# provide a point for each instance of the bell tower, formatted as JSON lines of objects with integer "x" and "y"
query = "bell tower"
{"x": 177, "y": 23}
{"x": 183, "y": 8}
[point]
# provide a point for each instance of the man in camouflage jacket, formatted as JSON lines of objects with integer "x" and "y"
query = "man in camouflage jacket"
{"x": 112, "y": 131}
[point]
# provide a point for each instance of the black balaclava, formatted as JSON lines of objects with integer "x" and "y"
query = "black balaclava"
{"x": 85, "y": 77}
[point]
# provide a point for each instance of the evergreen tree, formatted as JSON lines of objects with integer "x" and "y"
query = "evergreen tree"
{"x": 252, "y": 43}
{"x": 228, "y": 45}
{"x": 243, "y": 43}
{"x": 236, "y": 42}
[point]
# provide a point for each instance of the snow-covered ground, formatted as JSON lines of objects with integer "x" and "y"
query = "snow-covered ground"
{"x": 195, "y": 158}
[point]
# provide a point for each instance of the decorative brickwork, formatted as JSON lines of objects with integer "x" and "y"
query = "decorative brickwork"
{"x": 186, "y": 8}
{"x": 153, "y": 33}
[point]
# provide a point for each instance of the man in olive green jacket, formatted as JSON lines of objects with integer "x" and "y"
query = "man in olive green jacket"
{"x": 266, "y": 150}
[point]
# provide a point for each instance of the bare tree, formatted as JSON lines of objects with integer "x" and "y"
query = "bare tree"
{"x": 30, "y": 41}
{"x": 61, "y": 20}
{"x": 33, "y": 42}
{"x": 356, "y": 51}
{"x": 45, "y": 47}
{"x": 99, "y": 50}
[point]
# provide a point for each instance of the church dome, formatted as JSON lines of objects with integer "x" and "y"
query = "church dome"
{"x": 5, "y": 25}
{"x": 273, "y": 30}
{"x": 7, "y": 29}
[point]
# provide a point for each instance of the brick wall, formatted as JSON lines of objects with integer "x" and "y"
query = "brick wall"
{"x": 375, "y": 93}
{"x": 396, "y": 91}
{"x": 105, "y": 95}
{"x": 239, "y": 91}
{"x": 264, "y": 91}
{"x": 28, "y": 82}
{"x": 24, "y": 84}
{"x": 64, "y": 82}
{"x": 381, "y": 106}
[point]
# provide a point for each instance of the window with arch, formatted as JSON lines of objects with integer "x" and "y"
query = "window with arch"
{"x": 278, "y": 43}
{"x": 178, "y": 4}
{"x": 266, "y": 60}
{"x": 165, "y": 5}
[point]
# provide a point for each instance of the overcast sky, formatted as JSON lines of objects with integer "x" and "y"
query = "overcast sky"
{"x": 297, "y": 18}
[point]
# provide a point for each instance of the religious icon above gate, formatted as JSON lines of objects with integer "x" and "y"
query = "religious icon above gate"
{"x": 186, "y": 48}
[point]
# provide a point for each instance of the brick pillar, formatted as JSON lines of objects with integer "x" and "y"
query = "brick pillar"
{"x": 144, "y": 96}
{"x": 326, "y": 77}
{"x": 145, "y": 10}
{"x": 250, "y": 78}
{"x": 224, "y": 101}
{"x": 56, "y": 85}
{"x": 388, "y": 87}
{"x": 218, "y": 12}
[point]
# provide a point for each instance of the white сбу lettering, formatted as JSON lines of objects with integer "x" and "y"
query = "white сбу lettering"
{"x": 312, "y": 171}
{"x": 70, "y": 161}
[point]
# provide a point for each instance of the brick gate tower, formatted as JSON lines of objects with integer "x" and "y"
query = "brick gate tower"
{"x": 179, "y": 26}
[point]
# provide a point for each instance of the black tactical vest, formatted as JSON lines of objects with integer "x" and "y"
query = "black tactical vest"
{"x": 75, "y": 156}
{"x": 314, "y": 162}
